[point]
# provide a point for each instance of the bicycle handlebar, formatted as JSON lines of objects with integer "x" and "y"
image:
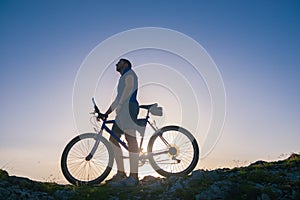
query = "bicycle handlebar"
{"x": 96, "y": 110}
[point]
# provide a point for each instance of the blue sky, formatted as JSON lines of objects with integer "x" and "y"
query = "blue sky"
{"x": 255, "y": 44}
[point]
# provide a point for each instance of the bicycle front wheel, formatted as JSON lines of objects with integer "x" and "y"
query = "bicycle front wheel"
{"x": 173, "y": 151}
{"x": 79, "y": 170}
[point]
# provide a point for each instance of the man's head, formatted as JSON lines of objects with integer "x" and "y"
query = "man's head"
{"x": 122, "y": 65}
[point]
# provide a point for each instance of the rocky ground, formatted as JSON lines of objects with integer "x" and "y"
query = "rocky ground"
{"x": 260, "y": 181}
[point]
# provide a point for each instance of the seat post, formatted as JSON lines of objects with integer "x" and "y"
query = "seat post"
{"x": 147, "y": 116}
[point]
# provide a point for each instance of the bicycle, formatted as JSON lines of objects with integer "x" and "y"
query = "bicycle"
{"x": 88, "y": 158}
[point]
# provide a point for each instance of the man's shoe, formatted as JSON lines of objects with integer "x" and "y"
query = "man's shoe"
{"x": 117, "y": 178}
{"x": 129, "y": 181}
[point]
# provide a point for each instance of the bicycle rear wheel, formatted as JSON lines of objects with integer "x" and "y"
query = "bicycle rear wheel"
{"x": 81, "y": 171}
{"x": 173, "y": 151}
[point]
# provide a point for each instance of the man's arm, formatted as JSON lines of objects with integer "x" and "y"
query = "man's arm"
{"x": 128, "y": 89}
{"x": 127, "y": 92}
{"x": 113, "y": 106}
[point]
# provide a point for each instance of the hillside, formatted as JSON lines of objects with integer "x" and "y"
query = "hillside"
{"x": 260, "y": 180}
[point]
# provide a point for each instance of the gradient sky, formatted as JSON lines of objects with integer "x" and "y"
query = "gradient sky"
{"x": 255, "y": 44}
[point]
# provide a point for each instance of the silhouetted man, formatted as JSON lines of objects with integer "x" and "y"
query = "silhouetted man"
{"x": 127, "y": 109}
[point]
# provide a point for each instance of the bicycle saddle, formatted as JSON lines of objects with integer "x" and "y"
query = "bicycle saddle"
{"x": 153, "y": 109}
{"x": 147, "y": 107}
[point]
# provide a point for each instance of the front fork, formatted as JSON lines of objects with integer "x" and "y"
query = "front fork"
{"x": 91, "y": 154}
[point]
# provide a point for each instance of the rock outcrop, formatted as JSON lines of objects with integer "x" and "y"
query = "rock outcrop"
{"x": 260, "y": 180}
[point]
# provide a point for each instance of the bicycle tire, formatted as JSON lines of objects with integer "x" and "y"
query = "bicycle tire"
{"x": 189, "y": 163}
{"x": 79, "y": 171}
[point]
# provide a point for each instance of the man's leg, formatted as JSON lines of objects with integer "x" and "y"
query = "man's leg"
{"x": 130, "y": 136}
{"x": 117, "y": 149}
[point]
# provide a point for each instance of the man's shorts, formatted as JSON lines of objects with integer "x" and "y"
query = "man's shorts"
{"x": 127, "y": 118}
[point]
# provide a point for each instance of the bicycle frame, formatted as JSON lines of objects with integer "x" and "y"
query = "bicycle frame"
{"x": 106, "y": 128}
